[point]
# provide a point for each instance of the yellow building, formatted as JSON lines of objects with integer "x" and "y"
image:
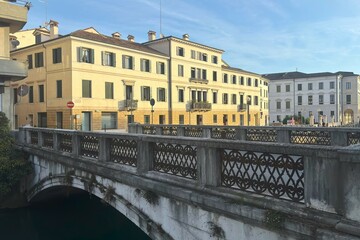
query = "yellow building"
{"x": 110, "y": 82}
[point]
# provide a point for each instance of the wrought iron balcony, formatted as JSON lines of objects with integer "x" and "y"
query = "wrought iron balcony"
{"x": 199, "y": 106}
{"x": 199, "y": 80}
{"x": 242, "y": 107}
{"x": 128, "y": 105}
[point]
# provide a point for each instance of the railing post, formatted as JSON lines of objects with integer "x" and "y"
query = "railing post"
{"x": 145, "y": 156}
{"x": 56, "y": 142}
{"x": 76, "y": 144}
{"x": 338, "y": 138}
{"x": 322, "y": 181}
{"x": 283, "y": 135}
{"x": 40, "y": 138}
{"x": 132, "y": 128}
{"x": 209, "y": 166}
{"x": 104, "y": 149}
{"x": 159, "y": 130}
{"x": 206, "y": 132}
{"x": 181, "y": 131}
{"x": 240, "y": 134}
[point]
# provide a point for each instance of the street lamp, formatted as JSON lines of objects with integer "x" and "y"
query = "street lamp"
{"x": 248, "y": 101}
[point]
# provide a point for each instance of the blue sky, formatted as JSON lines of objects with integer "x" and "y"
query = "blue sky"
{"x": 262, "y": 36}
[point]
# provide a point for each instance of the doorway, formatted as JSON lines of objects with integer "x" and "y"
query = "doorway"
{"x": 86, "y": 121}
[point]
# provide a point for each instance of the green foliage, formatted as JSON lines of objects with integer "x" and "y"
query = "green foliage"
{"x": 13, "y": 165}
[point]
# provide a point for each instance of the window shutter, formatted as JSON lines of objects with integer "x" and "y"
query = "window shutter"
{"x": 142, "y": 93}
{"x": 54, "y": 55}
{"x": 158, "y": 95}
{"x": 123, "y": 61}
{"x": 102, "y": 57}
{"x": 92, "y": 55}
{"x": 132, "y": 63}
{"x": 113, "y": 55}
{"x": 79, "y": 52}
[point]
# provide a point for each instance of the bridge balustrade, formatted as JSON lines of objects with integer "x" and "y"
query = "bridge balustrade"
{"x": 305, "y": 174}
{"x": 294, "y": 135}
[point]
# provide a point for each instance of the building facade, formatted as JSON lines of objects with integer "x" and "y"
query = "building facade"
{"x": 111, "y": 82}
{"x": 330, "y": 98}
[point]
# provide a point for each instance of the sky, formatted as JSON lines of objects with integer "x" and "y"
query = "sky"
{"x": 261, "y": 36}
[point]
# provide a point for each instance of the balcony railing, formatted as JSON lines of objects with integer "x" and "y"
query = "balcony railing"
{"x": 199, "y": 106}
{"x": 242, "y": 107}
{"x": 128, "y": 105}
{"x": 199, "y": 80}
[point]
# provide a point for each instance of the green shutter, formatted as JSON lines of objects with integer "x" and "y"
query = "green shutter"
{"x": 114, "y": 59}
{"x": 102, "y": 57}
{"x": 79, "y": 52}
{"x": 92, "y": 55}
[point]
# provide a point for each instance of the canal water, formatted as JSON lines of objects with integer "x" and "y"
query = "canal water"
{"x": 73, "y": 217}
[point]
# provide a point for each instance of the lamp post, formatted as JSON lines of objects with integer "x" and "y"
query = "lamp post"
{"x": 248, "y": 101}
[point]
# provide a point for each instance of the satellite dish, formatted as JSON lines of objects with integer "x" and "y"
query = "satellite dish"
{"x": 23, "y": 90}
{"x": 15, "y": 43}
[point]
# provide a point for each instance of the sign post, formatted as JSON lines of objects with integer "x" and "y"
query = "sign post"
{"x": 152, "y": 103}
{"x": 70, "y": 105}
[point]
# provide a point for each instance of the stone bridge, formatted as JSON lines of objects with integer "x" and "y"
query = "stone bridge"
{"x": 182, "y": 187}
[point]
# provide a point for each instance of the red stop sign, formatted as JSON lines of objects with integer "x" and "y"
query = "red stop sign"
{"x": 70, "y": 104}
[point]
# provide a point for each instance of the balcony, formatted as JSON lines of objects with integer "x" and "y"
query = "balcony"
{"x": 128, "y": 105}
{"x": 14, "y": 14}
{"x": 11, "y": 70}
{"x": 199, "y": 106}
{"x": 242, "y": 107}
{"x": 199, "y": 80}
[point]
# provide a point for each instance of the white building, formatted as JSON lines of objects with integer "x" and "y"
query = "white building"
{"x": 328, "y": 97}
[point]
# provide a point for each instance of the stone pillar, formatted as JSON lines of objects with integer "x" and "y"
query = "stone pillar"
{"x": 159, "y": 130}
{"x": 209, "y": 166}
{"x": 240, "y": 134}
{"x": 76, "y": 144}
{"x": 206, "y": 132}
{"x": 145, "y": 156}
{"x": 181, "y": 131}
{"x": 56, "y": 142}
{"x": 338, "y": 138}
{"x": 104, "y": 149}
{"x": 283, "y": 135}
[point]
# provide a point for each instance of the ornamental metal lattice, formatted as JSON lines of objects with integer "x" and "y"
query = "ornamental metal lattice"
{"x": 149, "y": 130}
{"x": 223, "y": 133}
{"x": 169, "y": 131}
{"x": 123, "y": 151}
{"x": 89, "y": 146}
{"x": 175, "y": 159}
{"x": 193, "y": 132}
{"x": 261, "y": 135}
{"x": 48, "y": 139}
{"x": 277, "y": 175}
{"x": 310, "y": 137}
{"x": 34, "y": 137}
{"x": 65, "y": 142}
{"x": 353, "y": 138}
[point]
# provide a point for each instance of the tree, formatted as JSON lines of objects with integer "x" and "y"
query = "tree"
{"x": 13, "y": 165}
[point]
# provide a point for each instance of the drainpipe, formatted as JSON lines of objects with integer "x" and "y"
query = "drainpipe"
{"x": 169, "y": 85}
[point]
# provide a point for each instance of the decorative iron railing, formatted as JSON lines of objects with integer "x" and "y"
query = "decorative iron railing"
{"x": 193, "y": 132}
{"x": 169, "y": 130}
{"x": 223, "y": 133}
{"x": 261, "y": 135}
{"x": 148, "y": 129}
{"x": 310, "y": 137}
{"x": 89, "y": 146}
{"x": 123, "y": 151}
{"x": 128, "y": 105}
{"x": 353, "y": 138}
{"x": 34, "y": 137}
{"x": 65, "y": 142}
{"x": 48, "y": 139}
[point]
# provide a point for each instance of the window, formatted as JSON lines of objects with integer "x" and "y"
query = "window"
{"x": 41, "y": 93}
{"x": 310, "y": 100}
{"x": 108, "y": 59}
{"x": 180, "y": 51}
{"x": 56, "y": 55}
{"x": 225, "y": 78}
{"x": 109, "y": 120}
{"x": 85, "y": 55}
{"x": 332, "y": 98}
{"x": 161, "y": 94}
{"x": 147, "y": 119}
{"x": 299, "y": 100}
{"x": 193, "y": 54}
{"x": 31, "y": 94}
{"x": 278, "y": 118}
{"x": 348, "y": 99}
{"x": 145, "y": 65}
{"x": 160, "y": 68}
{"x": 145, "y": 93}
{"x": 233, "y": 98}
{"x": 242, "y": 120}
{"x": 256, "y": 100}
{"x": 332, "y": 85}
{"x": 193, "y": 73}
{"x": 287, "y": 88}
{"x": 129, "y": 92}
{"x": 181, "y": 119}
{"x": 180, "y": 70}
{"x": 332, "y": 113}
{"x": 214, "y": 59}
{"x": 241, "y": 80}
{"x": 214, "y": 118}
{"x": 204, "y": 57}
{"x": 204, "y": 96}
{"x": 278, "y": 88}
{"x": 86, "y": 88}
{"x": 321, "y": 85}
{"x": 287, "y": 105}
{"x": 278, "y": 105}
{"x": 39, "y": 59}
{"x": 204, "y": 74}
{"x": 127, "y": 62}
{"x": 299, "y": 87}
{"x": 109, "y": 90}
{"x": 310, "y": 86}
{"x": 233, "y": 118}
{"x": 59, "y": 88}
{"x": 225, "y": 98}
{"x": 214, "y": 97}
{"x": 348, "y": 85}
{"x": 30, "y": 61}
{"x": 256, "y": 83}
{"x": 214, "y": 76}
{"x": 321, "y": 99}
{"x": 233, "y": 77}
{"x": 249, "y": 82}
{"x": 181, "y": 95}
{"x": 42, "y": 119}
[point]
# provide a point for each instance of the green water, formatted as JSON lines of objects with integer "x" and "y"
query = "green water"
{"x": 76, "y": 217}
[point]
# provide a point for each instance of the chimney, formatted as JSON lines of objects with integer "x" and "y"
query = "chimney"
{"x": 116, "y": 35}
{"x": 131, "y": 38}
{"x": 54, "y": 29}
{"x": 151, "y": 35}
{"x": 186, "y": 36}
